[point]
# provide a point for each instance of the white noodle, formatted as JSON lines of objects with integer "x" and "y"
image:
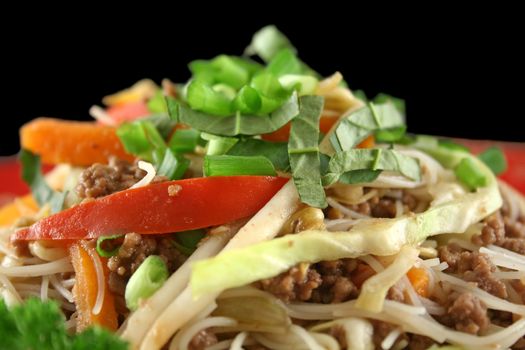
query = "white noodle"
{"x": 441, "y": 267}
{"x": 399, "y": 208}
{"x": 504, "y": 257}
{"x": 326, "y": 341}
{"x": 58, "y": 266}
{"x": 340, "y": 224}
{"x": 310, "y": 342}
{"x": 347, "y": 212}
{"x": 396, "y": 194}
{"x": 6, "y": 251}
{"x": 464, "y": 244}
{"x": 514, "y": 209}
{"x": 432, "y": 170}
{"x": 187, "y": 334}
{"x": 151, "y": 173}
{"x": 391, "y": 180}
{"x": 372, "y": 262}
{"x": 44, "y": 288}
{"x": 510, "y": 275}
{"x": 10, "y": 293}
{"x": 432, "y": 307}
{"x": 238, "y": 341}
{"x": 490, "y": 300}
{"x": 61, "y": 288}
{"x": 431, "y": 262}
{"x": 99, "y": 114}
{"x": 47, "y": 254}
{"x": 101, "y": 284}
{"x": 68, "y": 283}
{"x": 390, "y": 339}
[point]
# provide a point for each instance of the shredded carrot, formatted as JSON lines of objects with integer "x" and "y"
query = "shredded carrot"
{"x": 419, "y": 279}
{"x": 78, "y": 143}
{"x": 361, "y": 274}
{"x": 86, "y": 288}
{"x": 9, "y": 213}
{"x": 369, "y": 142}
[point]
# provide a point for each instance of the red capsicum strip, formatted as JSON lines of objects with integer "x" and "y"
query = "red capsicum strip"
{"x": 172, "y": 206}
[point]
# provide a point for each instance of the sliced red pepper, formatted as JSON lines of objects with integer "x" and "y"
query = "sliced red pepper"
{"x": 128, "y": 111}
{"x": 172, "y": 206}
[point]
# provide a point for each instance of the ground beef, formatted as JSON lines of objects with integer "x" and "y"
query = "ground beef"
{"x": 134, "y": 249}
{"x": 473, "y": 267}
{"x": 202, "y": 340}
{"x": 466, "y": 313}
{"x": 501, "y": 230}
{"x": 382, "y": 329}
{"x": 325, "y": 282}
{"x": 100, "y": 180}
{"x": 419, "y": 342}
{"x": 383, "y": 208}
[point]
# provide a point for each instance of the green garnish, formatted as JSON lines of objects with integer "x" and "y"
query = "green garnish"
{"x": 41, "y": 325}
{"x": 371, "y": 159}
{"x": 453, "y": 145}
{"x": 227, "y": 165}
{"x": 303, "y": 152}
{"x": 33, "y": 177}
{"x": 365, "y": 121}
{"x": 146, "y": 280}
{"x": 218, "y": 145}
{"x": 157, "y": 103}
{"x": 237, "y": 124}
{"x": 470, "y": 174}
{"x": 276, "y": 152}
{"x": 184, "y": 141}
{"x": 188, "y": 241}
{"x": 267, "y": 42}
{"x": 494, "y": 158}
{"x": 103, "y": 240}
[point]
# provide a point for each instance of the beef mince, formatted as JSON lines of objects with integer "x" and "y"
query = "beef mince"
{"x": 135, "y": 248}
{"x": 101, "y": 180}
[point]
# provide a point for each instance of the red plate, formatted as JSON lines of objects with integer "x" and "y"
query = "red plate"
{"x": 11, "y": 184}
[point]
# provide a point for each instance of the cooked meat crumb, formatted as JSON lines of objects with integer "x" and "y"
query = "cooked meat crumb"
{"x": 202, "y": 340}
{"x": 173, "y": 190}
{"x": 467, "y": 313}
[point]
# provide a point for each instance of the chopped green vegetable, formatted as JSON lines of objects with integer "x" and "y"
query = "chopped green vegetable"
{"x": 361, "y": 123}
{"x": 276, "y": 152}
{"x": 218, "y": 145}
{"x": 248, "y": 100}
{"x": 41, "y": 325}
{"x": 271, "y": 92}
{"x": 453, "y": 145}
{"x": 227, "y": 165}
{"x": 184, "y": 141}
{"x": 494, "y": 158}
{"x": 201, "y": 97}
{"x": 141, "y": 138}
{"x": 284, "y": 62}
{"x": 304, "y": 84}
{"x": 371, "y": 159}
{"x": 303, "y": 152}
{"x": 146, "y": 280}
{"x": 469, "y": 173}
{"x": 173, "y": 165}
{"x": 267, "y": 42}
{"x": 190, "y": 239}
{"x": 391, "y": 134}
{"x": 157, "y": 104}
{"x": 33, "y": 177}
{"x": 237, "y": 124}
{"x": 104, "y": 240}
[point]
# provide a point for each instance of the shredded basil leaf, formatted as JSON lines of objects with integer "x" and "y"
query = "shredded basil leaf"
{"x": 371, "y": 159}
{"x": 276, "y": 152}
{"x": 33, "y": 177}
{"x": 267, "y": 42}
{"x": 303, "y": 152}
{"x": 358, "y": 125}
{"x": 494, "y": 158}
{"x": 237, "y": 124}
{"x": 359, "y": 176}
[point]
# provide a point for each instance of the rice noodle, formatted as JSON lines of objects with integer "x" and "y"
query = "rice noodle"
{"x": 390, "y": 339}
{"x": 310, "y": 342}
{"x": 389, "y": 179}
{"x": 57, "y": 266}
{"x": 346, "y": 211}
{"x": 238, "y": 341}
{"x": 399, "y": 208}
{"x": 9, "y": 292}
{"x": 490, "y": 300}
{"x": 504, "y": 257}
{"x": 372, "y": 262}
{"x": 326, "y": 341}
{"x": 510, "y": 275}
{"x": 60, "y": 288}
{"x": 182, "y": 341}
{"x": 441, "y": 267}
{"x": 44, "y": 288}
{"x": 339, "y": 224}
{"x": 6, "y": 251}
{"x": 38, "y": 249}
{"x": 151, "y": 173}
{"x": 98, "y": 113}
{"x": 431, "y": 262}
{"x": 101, "y": 284}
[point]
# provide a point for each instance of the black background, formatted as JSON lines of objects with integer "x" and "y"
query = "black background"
{"x": 461, "y": 74}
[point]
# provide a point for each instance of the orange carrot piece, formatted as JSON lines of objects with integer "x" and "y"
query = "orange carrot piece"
{"x": 9, "y": 213}
{"x": 419, "y": 279}
{"x": 361, "y": 274}
{"x": 86, "y": 287}
{"x": 369, "y": 142}
{"x": 78, "y": 143}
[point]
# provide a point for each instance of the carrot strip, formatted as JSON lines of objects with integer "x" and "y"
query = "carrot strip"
{"x": 369, "y": 142}
{"x": 86, "y": 288}
{"x": 78, "y": 143}
{"x": 9, "y": 213}
{"x": 419, "y": 279}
